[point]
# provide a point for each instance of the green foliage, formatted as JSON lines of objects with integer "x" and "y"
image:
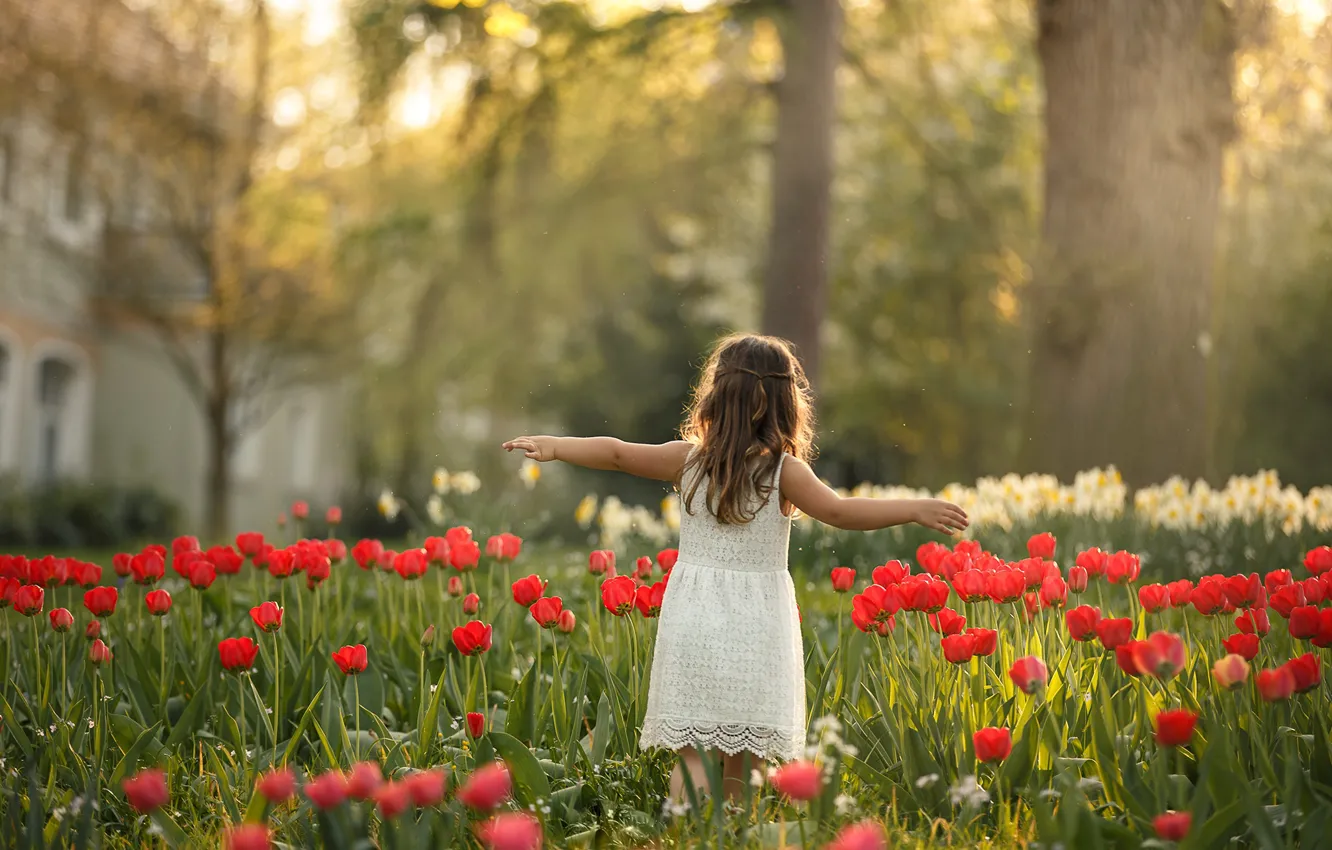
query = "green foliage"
{"x": 73, "y": 515}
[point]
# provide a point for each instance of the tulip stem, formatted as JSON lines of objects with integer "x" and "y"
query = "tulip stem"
{"x": 161, "y": 678}
{"x": 277, "y": 687}
{"x": 244, "y": 735}
{"x": 356, "y": 688}
{"x": 37, "y": 659}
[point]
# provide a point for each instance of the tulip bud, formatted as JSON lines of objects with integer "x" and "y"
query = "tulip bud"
{"x": 100, "y": 653}
{"x": 566, "y": 622}
{"x": 428, "y": 637}
{"x": 1231, "y": 672}
{"x": 93, "y": 630}
{"x": 455, "y": 586}
{"x": 62, "y": 620}
{"x": 1077, "y": 579}
{"x": 471, "y": 603}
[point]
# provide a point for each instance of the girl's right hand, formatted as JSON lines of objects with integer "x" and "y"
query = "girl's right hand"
{"x": 540, "y": 449}
{"x": 940, "y": 516}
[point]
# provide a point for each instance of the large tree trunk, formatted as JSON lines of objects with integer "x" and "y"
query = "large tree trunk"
{"x": 1138, "y": 111}
{"x": 796, "y": 277}
{"x": 217, "y": 504}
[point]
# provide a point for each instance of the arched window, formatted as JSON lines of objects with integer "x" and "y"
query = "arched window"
{"x": 55, "y": 385}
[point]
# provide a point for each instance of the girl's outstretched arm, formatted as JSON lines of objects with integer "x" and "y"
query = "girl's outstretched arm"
{"x": 802, "y": 488}
{"x": 658, "y": 462}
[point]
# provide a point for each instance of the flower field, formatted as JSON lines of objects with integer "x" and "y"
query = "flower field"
{"x": 471, "y": 690}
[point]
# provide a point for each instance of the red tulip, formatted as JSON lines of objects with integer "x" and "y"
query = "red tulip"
{"x": 93, "y": 630}
{"x": 1315, "y": 590}
{"x": 1306, "y": 672}
{"x": 1033, "y": 572}
{"x": 1114, "y": 631}
{"x": 202, "y": 573}
{"x": 472, "y": 638}
{"x": 567, "y": 622}
{"x": 1287, "y": 599}
{"x": 1241, "y": 644}
{"x": 971, "y": 585}
{"x": 426, "y": 787}
{"x": 799, "y": 780}
{"x": 476, "y": 724}
{"x": 277, "y": 786}
{"x": 528, "y": 590}
{"x": 1082, "y": 622}
{"x": 487, "y": 788}
{"x": 601, "y": 562}
{"x": 987, "y": 640}
{"x": 511, "y": 831}
{"x": 237, "y": 654}
{"x": 99, "y": 653}
{"x": 281, "y": 563}
{"x": 364, "y": 779}
{"x": 1303, "y": 622}
{"x": 1174, "y": 727}
{"x": 121, "y": 563}
{"x": 930, "y": 554}
{"x": 1231, "y": 671}
{"x": 860, "y": 836}
{"x": 1006, "y": 585}
{"x": 28, "y": 600}
{"x": 327, "y": 791}
{"x": 85, "y": 575}
{"x": 643, "y": 567}
{"x": 947, "y": 622}
{"x": 891, "y": 573}
{"x": 843, "y": 578}
{"x": 351, "y": 659}
{"x": 1077, "y": 579}
{"x": 504, "y": 547}
{"x": 158, "y": 602}
{"x": 61, "y": 620}
{"x": 411, "y": 564}
{"x": 366, "y": 553}
{"x": 1253, "y": 622}
{"x": 1161, "y": 655}
{"x": 1124, "y": 657}
{"x": 101, "y": 601}
{"x": 1274, "y": 685}
{"x": 1042, "y": 546}
{"x": 648, "y": 599}
{"x": 1122, "y": 568}
{"x": 1172, "y": 826}
{"x": 958, "y": 649}
{"x": 148, "y": 567}
{"x": 1029, "y": 674}
{"x": 465, "y": 555}
{"x": 337, "y": 550}
{"x": 250, "y": 543}
{"x": 471, "y": 604}
{"x": 1208, "y": 598}
{"x": 455, "y": 586}
{"x": 267, "y": 616}
{"x": 1054, "y": 592}
{"x": 617, "y": 594}
{"x": 1093, "y": 561}
{"x": 992, "y": 744}
{"x": 667, "y": 558}
{"x": 546, "y": 611}
{"x": 1181, "y": 593}
{"x": 1242, "y": 591}
{"x": 1318, "y": 561}
{"x": 300, "y": 510}
{"x": 247, "y": 836}
{"x": 146, "y": 790}
{"x": 1154, "y": 597}
{"x": 1323, "y": 640}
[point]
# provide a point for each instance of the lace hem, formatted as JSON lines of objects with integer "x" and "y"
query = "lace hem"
{"x": 731, "y": 738}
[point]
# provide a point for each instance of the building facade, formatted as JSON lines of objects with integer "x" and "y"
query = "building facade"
{"x": 87, "y": 394}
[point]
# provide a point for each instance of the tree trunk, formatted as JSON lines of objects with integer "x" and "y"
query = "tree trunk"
{"x": 218, "y": 409}
{"x": 796, "y": 276}
{"x": 1138, "y": 111}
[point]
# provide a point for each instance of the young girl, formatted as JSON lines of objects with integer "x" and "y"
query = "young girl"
{"x": 728, "y": 669}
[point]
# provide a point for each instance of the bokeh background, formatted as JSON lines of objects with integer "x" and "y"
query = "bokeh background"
{"x": 253, "y": 251}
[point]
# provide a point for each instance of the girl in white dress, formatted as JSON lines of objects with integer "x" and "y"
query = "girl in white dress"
{"x": 728, "y": 668}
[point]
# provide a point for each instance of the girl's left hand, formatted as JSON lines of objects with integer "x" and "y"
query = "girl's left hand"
{"x": 540, "y": 449}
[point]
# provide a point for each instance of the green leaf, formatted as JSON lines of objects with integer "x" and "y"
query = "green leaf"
{"x": 131, "y": 758}
{"x": 530, "y": 781}
{"x": 601, "y": 733}
{"x": 190, "y": 718}
{"x": 15, "y": 728}
{"x": 426, "y": 734}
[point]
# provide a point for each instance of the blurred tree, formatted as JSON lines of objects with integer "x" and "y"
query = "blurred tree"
{"x": 253, "y": 308}
{"x": 1138, "y": 113}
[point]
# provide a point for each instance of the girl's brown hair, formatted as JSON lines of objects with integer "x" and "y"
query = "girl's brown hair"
{"x": 751, "y": 405}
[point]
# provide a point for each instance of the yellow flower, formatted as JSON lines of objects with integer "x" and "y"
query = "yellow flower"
{"x": 586, "y": 511}
{"x": 440, "y": 481}
{"x": 504, "y": 22}
{"x": 444, "y": 4}
{"x": 389, "y": 505}
{"x": 530, "y": 473}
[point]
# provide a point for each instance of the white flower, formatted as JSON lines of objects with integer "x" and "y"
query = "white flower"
{"x": 530, "y": 473}
{"x": 968, "y": 792}
{"x": 389, "y": 505}
{"x": 844, "y": 804}
{"x": 440, "y": 481}
{"x": 465, "y": 482}
{"x": 756, "y": 778}
{"x": 435, "y": 510}
{"x": 672, "y": 809}
{"x": 927, "y": 780}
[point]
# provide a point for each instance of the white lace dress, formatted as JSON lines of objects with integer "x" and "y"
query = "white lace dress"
{"x": 728, "y": 668}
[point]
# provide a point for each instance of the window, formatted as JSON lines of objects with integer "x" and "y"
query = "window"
{"x": 75, "y": 190}
{"x": 55, "y": 378}
{"x": 8, "y": 166}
